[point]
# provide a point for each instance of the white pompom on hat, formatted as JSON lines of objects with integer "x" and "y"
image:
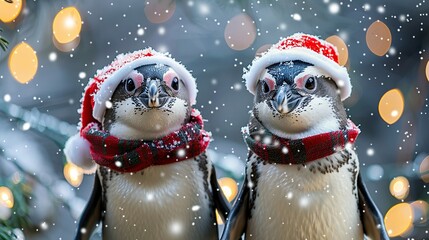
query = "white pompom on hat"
{"x": 100, "y": 90}
{"x": 306, "y": 48}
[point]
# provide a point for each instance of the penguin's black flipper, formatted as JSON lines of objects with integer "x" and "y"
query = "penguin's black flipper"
{"x": 220, "y": 201}
{"x": 92, "y": 213}
{"x": 236, "y": 223}
{"x": 371, "y": 218}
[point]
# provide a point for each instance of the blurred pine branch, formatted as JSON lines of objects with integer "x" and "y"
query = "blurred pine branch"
{"x": 3, "y": 42}
{"x": 5, "y": 232}
{"x": 21, "y": 192}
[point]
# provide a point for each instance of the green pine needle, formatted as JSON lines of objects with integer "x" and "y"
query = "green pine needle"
{"x": 3, "y": 42}
{"x": 5, "y": 233}
{"x": 3, "y": 46}
{"x": 20, "y": 217}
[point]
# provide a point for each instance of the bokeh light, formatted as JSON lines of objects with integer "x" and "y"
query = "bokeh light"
{"x": 262, "y": 49}
{"x": 73, "y": 174}
{"x": 341, "y": 47}
{"x": 420, "y": 211}
{"x": 378, "y": 38}
{"x": 427, "y": 70}
{"x": 6, "y": 197}
{"x": 218, "y": 218}
{"x": 66, "y": 47}
{"x": 67, "y": 25}
{"x": 399, "y": 220}
{"x": 23, "y": 63}
{"x": 240, "y": 32}
{"x": 399, "y": 187}
{"x": 159, "y": 11}
{"x": 375, "y": 172}
{"x": 5, "y": 213}
{"x": 424, "y": 169}
{"x": 391, "y": 106}
{"x": 10, "y": 11}
{"x": 229, "y": 187}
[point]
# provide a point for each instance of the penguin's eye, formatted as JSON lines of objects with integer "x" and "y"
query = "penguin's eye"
{"x": 175, "y": 84}
{"x": 130, "y": 86}
{"x": 265, "y": 87}
{"x": 172, "y": 80}
{"x": 310, "y": 83}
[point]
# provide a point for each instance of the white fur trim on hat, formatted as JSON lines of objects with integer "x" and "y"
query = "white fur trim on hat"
{"x": 274, "y": 55}
{"x": 77, "y": 152}
{"x": 109, "y": 85}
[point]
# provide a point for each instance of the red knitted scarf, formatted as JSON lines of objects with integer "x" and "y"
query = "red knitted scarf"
{"x": 134, "y": 155}
{"x": 274, "y": 149}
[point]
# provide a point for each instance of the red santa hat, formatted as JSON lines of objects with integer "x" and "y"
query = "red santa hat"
{"x": 100, "y": 89}
{"x": 306, "y": 48}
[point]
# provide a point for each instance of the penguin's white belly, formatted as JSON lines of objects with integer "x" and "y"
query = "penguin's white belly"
{"x": 300, "y": 204}
{"x": 162, "y": 202}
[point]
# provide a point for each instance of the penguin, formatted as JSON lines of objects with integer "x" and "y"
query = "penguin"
{"x": 153, "y": 177}
{"x": 302, "y": 173}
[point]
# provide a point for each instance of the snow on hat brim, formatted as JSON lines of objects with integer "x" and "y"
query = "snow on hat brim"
{"x": 110, "y": 84}
{"x": 274, "y": 55}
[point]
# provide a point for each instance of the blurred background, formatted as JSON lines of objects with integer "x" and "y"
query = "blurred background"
{"x": 49, "y": 50}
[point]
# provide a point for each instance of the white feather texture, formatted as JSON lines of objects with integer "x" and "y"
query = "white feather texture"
{"x": 77, "y": 152}
{"x": 299, "y": 124}
{"x": 162, "y": 202}
{"x": 295, "y": 203}
{"x": 151, "y": 125}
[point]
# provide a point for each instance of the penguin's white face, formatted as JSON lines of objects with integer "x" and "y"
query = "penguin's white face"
{"x": 151, "y": 102}
{"x": 296, "y": 99}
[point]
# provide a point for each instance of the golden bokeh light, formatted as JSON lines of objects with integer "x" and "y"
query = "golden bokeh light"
{"x": 240, "y": 32}
{"x": 341, "y": 47}
{"x": 6, "y": 197}
{"x": 399, "y": 187}
{"x": 391, "y": 106}
{"x": 229, "y": 188}
{"x": 378, "y": 38}
{"x": 23, "y": 63}
{"x": 73, "y": 174}
{"x": 424, "y": 169}
{"x": 420, "y": 211}
{"x": 159, "y": 11}
{"x": 427, "y": 70}
{"x": 218, "y": 218}
{"x": 66, "y": 47}
{"x": 399, "y": 220}
{"x": 10, "y": 11}
{"x": 67, "y": 25}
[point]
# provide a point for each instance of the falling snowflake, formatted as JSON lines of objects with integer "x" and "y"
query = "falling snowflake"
{"x": 195, "y": 208}
{"x": 296, "y": 17}
{"x": 334, "y": 8}
{"x": 181, "y": 153}
{"x": 53, "y": 56}
{"x": 176, "y": 228}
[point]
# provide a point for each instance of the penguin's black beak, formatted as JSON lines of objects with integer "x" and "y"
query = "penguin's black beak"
{"x": 153, "y": 100}
{"x": 286, "y": 99}
{"x": 154, "y": 95}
